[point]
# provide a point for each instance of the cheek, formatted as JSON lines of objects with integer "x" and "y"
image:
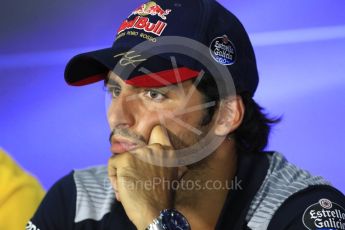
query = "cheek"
{"x": 178, "y": 121}
{"x": 147, "y": 119}
{"x": 185, "y": 125}
{"x": 191, "y": 118}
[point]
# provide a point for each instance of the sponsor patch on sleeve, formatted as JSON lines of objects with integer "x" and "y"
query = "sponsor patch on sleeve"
{"x": 325, "y": 215}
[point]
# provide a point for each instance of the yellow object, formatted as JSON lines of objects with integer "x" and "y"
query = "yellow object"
{"x": 20, "y": 194}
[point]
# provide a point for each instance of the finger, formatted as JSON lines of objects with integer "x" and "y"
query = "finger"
{"x": 112, "y": 169}
{"x": 116, "y": 190}
{"x": 159, "y": 135}
{"x": 113, "y": 180}
{"x": 112, "y": 175}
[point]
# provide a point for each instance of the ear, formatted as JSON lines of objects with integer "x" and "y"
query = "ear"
{"x": 230, "y": 115}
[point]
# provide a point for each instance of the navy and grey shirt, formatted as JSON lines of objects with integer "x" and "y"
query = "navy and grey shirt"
{"x": 272, "y": 194}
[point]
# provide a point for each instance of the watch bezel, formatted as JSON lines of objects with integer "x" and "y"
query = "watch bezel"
{"x": 167, "y": 215}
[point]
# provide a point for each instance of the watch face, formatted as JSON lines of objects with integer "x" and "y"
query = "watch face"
{"x": 172, "y": 220}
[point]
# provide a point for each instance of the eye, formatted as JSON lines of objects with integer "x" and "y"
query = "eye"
{"x": 114, "y": 91}
{"x": 155, "y": 95}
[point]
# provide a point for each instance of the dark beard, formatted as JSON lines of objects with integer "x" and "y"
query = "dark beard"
{"x": 196, "y": 174}
{"x": 179, "y": 142}
{"x": 196, "y": 171}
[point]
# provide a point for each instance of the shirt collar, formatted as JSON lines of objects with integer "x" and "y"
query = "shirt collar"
{"x": 251, "y": 171}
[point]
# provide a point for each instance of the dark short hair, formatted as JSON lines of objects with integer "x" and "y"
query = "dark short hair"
{"x": 253, "y": 133}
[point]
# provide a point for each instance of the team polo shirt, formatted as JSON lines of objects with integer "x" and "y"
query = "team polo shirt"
{"x": 268, "y": 193}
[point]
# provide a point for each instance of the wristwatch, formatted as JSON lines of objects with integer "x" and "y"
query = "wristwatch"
{"x": 169, "y": 219}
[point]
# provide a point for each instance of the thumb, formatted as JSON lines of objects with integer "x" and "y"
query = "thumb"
{"x": 159, "y": 135}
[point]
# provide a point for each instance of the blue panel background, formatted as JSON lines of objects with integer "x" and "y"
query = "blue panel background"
{"x": 50, "y": 128}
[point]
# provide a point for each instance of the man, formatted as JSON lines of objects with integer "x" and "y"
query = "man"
{"x": 187, "y": 150}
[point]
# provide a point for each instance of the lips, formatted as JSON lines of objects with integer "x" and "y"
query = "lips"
{"x": 119, "y": 145}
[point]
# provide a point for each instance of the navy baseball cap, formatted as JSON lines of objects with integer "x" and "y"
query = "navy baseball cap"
{"x": 205, "y": 21}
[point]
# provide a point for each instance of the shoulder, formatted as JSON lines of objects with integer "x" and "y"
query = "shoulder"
{"x": 80, "y": 195}
{"x": 18, "y": 190}
{"x": 57, "y": 207}
{"x": 13, "y": 179}
{"x": 316, "y": 207}
{"x": 95, "y": 194}
{"x": 283, "y": 180}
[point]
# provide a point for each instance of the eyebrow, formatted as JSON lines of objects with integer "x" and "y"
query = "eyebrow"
{"x": 110, "y": 81}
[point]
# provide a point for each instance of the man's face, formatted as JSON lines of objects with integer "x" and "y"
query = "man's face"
{"x": 134, "y": 111}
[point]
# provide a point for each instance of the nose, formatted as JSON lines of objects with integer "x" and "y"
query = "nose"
{"x": 120, "y": 113}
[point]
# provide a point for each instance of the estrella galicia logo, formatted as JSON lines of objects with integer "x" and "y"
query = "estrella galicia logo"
{"x": 223, "y": 51}
{"x": 325, "y": 215}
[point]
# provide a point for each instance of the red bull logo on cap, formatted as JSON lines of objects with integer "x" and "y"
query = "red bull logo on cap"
{"x": 153, "y": 9}
{"x": 142, "y": 21}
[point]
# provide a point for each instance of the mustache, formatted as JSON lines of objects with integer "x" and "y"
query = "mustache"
{"x": 137, "y": 138}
